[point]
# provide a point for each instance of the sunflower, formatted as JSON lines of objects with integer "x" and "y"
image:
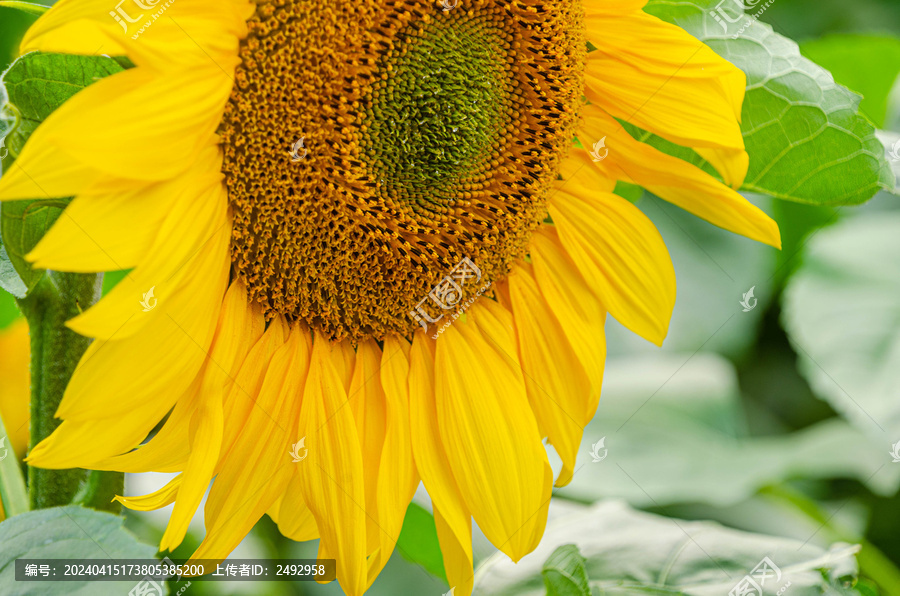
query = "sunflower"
{"x": 372, "y": 244}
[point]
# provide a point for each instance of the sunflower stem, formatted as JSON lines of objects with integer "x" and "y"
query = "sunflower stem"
{"x": 55, "y": 352}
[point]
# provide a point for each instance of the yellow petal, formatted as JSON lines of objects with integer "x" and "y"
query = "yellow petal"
{"x": 657, "y": 76}
{"x": 578, "y": 311}
{"x": 675, "y": 180}
{"x": 332, "y": 479}
{"x": 155, "y": 500}
{"x": 397, "y": 476}
{"x": 257, "y": 470}
{"x": 558, "y": 388}
{"x": 457, "y": 552}
{"x": 455, "y": 526}
{"x": 621, "y": 254}
{"x": 489, "y": 432}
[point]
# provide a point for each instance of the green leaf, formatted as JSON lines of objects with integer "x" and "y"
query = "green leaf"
{"x": 9, "y": 278}
{"x": 672, "y": 425}
{"x": 418, "y": 541}
{"x": 564, "y": 573}
{"x": 807, "y": 140}
{"x": 33, "y": 87}
{"x": 841, "y": 312}
{"x": 867, "y": 64}
{"x": 29, "y": 7}
{"x": 631, "y": 552}
{"x": 65, "y": 533}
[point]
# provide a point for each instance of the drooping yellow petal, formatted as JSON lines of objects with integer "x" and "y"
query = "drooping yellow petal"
{"x": 333, "y": 480}
{"x": 155, "y": 500}
{"x": 257, "y": 470}
{"x": 369, "y": 411}
{"x": 397, "y": 476}
{"x": 488, "y": 430}
{"x": 675, "y": 180}
{"x": 457, "y": 552}
{"x": 293, "y": 517}
{"x": 558, "y": 388}
{"x": 621, "y": 254}
{"x": 576, "y": 308}
{"x": 455, "y": 526}
{"x": 657, "y": 76}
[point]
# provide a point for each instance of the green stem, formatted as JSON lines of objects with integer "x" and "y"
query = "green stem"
{"x": 873, "y": 563}
{"x": 55, "y": 352}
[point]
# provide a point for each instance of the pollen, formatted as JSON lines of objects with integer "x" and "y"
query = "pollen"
{"x": 430, "y": 135}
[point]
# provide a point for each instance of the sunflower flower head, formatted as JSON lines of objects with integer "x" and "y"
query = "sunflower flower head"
{"x": 311, "y": 176}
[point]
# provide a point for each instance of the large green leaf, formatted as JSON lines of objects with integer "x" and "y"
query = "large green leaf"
{"x": 65, "y": 533}
{"x": 806, "y": 137}
{"x": 672, "y": 431}
{"x": 867, "y": 64}
{"x": 630, "y": 552}
{"x": 842, "y": 315}
{"x": 33, "y": 87}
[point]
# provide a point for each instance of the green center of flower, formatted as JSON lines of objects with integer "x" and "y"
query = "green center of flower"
{"x": 442, "y": 106}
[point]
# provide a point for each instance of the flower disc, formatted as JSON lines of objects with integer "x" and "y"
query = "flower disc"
{"x": 429, "y": 135}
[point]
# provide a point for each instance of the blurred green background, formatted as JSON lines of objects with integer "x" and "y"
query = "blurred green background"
{"x": 780, "y": 420}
